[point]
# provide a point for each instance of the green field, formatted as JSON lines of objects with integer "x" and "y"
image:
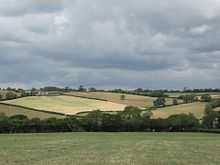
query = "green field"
{"x": 11, "y": 110}
{"x": 110, "y": 148}
{"x": 196, "y": 108}
{"x": 65, "y": 104}
{"x": 133, "y": 100}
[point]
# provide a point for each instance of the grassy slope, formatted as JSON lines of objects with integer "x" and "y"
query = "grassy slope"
{"x": 65, "y": 104}
{"x": 134, "y": 100}
{"x": 196, "y": 108}
{"x": 110, "y": 148}
{"x": 10, "y": 111}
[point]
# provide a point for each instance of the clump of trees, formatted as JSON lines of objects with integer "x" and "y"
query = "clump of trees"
{"x": 211, "y": 117}
{"x": 159, "y": 102}
{"x": 157, "y": 93}
{"x": 175, "y": 101}
{"x": 206, "y": 98}
{"x": 211, "y": 105}
{"x": 215, "y": 103}
{"x": 10, "y": 95}
{"x": 122, "y": 97}
{"x": 211, "y": 120}
{"x": 188, "y": 98}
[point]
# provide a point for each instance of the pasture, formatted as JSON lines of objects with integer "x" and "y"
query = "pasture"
{"x": 196, "y": 108}
{"x": 65, "y": 104}
{"x": 110, "y": 148}
{"x": 133, "y": 100}
{"x": 11, "y": 110}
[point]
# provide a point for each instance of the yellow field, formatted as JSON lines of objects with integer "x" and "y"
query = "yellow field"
{"x": 133, "y": 100}
{"x": 66, "y": 104}
{"x": 11, "y": 110}
{"x": 196, "y": 108}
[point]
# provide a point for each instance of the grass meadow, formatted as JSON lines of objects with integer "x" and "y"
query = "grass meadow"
{"x": 110, "y": 148}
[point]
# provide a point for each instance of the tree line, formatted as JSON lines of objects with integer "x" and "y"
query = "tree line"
{"x": 131, "y": 119}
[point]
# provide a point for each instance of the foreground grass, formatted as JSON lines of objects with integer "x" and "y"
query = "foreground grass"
{"x": 196, "y": 108}
{"x": 65, "y": 104}
{"x": 11, "y": 110}
{"x": 110, "y": 148}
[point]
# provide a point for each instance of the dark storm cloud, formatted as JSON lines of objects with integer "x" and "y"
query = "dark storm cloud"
{"x": 149, "y": 44}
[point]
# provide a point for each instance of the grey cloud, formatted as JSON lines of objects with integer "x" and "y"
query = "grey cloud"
{"x": 22, "y": 7}
{"x": 151, "y": 44}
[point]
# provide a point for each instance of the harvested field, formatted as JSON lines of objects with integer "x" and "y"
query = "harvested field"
{"x": 65, "y": 104}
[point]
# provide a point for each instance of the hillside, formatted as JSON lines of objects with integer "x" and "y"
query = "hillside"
{"x": 65, "y": 104}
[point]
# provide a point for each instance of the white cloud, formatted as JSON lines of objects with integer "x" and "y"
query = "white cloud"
{"x": 200, "y": 29}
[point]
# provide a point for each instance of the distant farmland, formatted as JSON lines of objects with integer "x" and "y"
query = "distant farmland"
{"x": 65, "y": 104}
{"x": 177, "y": 94}
{"x": 196, "y": 108}
{"x": 71, "y": 105}
{"x": 134, "y": 100}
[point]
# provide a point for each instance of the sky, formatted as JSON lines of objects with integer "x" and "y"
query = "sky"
{"x": 108, "y": 44}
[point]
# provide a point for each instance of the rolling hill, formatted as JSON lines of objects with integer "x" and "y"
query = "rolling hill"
{"x": 68, "y": 105}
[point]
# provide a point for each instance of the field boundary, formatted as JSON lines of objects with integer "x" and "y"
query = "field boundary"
{"x": 209, "y": 130}
{"x": 33, "y": 109}
{"x": 92, "y": 98}
{"x": 79, "y": 113}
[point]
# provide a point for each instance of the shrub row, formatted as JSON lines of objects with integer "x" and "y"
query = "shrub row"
{"x": 131, "y": 119}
